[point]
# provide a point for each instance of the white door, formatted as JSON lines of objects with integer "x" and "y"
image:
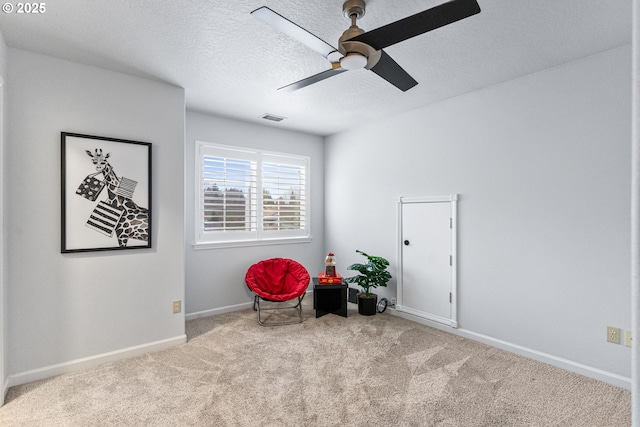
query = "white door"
{"x": 427, "y": 252}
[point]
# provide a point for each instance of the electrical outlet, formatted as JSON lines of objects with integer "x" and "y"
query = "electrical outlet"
{"x": 613, "y": 334}
{"x": 627, "y": 338}
{"x": 393, "y": 302}
{"x": 177, "y": 306}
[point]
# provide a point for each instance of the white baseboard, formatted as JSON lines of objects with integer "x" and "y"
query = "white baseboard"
{"x": 568, "y": 365}
{"x": 87, "y": 362}
{"x": 214, "y": 311}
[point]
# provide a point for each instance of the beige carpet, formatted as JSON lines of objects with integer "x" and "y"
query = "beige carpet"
{"x": 332, "y": 371}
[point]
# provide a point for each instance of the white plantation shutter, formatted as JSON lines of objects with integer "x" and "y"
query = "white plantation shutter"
{"x": 229, "y": 193}
{"x": 247, "y": 195}
{"x": 284, "y": 193}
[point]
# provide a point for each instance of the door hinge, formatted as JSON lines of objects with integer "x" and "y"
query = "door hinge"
{"x": 450, "y": 259}
{"x": 450, "y": 297}
{"x": 450, "y": 222}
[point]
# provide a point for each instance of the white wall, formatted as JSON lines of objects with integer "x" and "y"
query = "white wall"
{"x": 4, "y": 302}
{"x": 215, "y": 277}
{"x": 635, "y": 219}
{"x": 542, "y": 166}
{"x": 68, "y": 307}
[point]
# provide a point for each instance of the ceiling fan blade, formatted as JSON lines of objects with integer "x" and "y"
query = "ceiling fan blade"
{"x": 420, "y": 23}
{"x": 293, "y": 30}
{"x": 389, "y": 70}
{"x": 313, "y": 79}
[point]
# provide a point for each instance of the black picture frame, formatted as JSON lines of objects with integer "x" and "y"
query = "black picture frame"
{"x": 106, "y": 193}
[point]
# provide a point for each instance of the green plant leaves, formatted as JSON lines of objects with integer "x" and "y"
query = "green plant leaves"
{"x": 372, "y": 274}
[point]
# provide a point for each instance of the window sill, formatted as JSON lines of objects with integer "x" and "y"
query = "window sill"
{"x": 239, "y": 244}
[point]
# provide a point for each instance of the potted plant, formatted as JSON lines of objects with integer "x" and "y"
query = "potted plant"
{"x": 372, "y": 274}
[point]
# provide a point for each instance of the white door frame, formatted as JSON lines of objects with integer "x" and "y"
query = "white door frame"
{"x": 453, "y": 200}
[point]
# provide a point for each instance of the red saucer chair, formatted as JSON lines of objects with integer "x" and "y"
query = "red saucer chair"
{"x": 277, "y": 280}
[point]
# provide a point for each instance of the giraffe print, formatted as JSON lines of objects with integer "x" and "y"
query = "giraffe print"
{"x": 134, "y": 222}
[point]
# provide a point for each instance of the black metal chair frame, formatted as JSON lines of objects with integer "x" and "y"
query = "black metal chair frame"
{"x": 297, "y": 307}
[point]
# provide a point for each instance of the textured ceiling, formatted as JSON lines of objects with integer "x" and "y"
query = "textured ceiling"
{"x": 231, "y": 63}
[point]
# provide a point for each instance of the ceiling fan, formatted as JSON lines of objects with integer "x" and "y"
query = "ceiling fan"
{"x": 359, "y": 49}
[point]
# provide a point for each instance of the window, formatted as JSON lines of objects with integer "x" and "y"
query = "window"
{"x": 247, "y": 196}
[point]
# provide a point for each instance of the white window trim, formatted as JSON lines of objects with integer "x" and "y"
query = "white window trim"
{"x": 262, "y": 238}
{"x": 198, "y": 246}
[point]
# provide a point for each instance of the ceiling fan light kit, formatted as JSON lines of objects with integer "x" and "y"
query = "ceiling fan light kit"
{"x": 359, "y": 49}
{"x": 353, "y": 61}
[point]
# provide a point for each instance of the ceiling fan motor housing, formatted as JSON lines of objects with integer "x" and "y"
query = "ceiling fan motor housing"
{"x": 345, "y": 46}
{"x": 354, "y": 10}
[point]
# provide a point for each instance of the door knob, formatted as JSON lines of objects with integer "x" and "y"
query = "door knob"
{"x": 406, "y": 243}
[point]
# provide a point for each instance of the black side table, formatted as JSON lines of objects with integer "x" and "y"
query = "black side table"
{"x": 329, "y": 299}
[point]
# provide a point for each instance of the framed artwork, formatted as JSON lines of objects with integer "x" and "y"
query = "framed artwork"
{"x": 106, "y": 193}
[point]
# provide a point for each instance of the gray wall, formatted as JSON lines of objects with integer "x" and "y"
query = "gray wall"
{"x": 4, "y": 301}
{"x": 72, "y": 306}
{"x": 215, "y": 277}
{"x": 635, "y": 221}
{"x": 542, "y": 166}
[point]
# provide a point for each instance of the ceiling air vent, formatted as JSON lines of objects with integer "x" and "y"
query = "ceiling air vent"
{"x": 272, "y": 117}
